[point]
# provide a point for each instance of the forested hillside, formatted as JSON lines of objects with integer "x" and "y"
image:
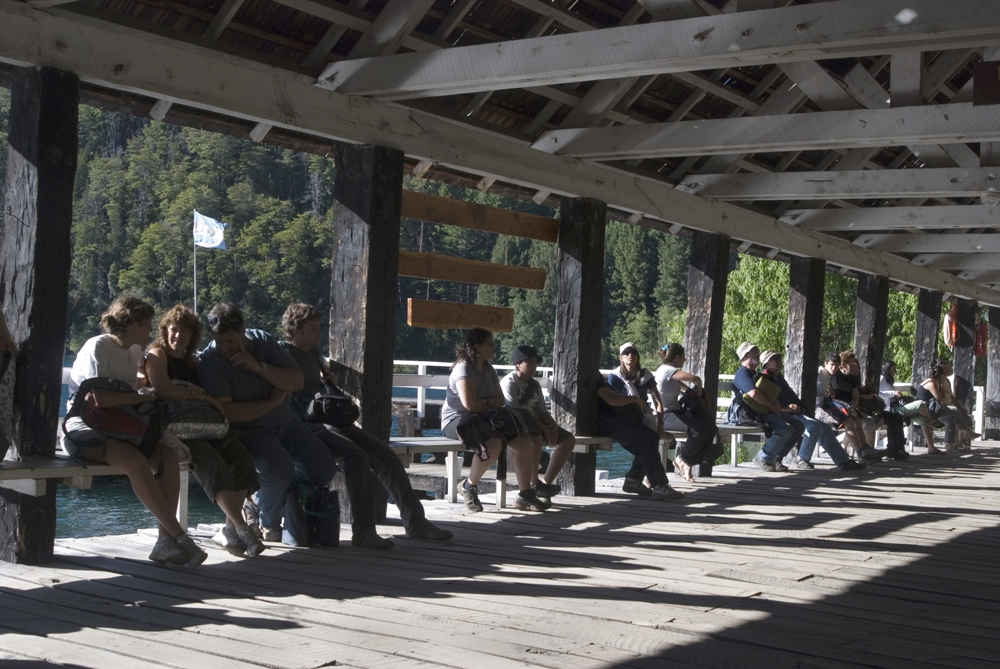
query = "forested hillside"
{"x": 138, "y": 181}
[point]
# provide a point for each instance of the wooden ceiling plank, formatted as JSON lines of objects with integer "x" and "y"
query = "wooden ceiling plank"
{"x": 457, "y": 316}
{"x": 958, "y": 243}
{"x": 895, "y": 218}
{"x": 449, "y": 268}
{"x": 801, "y": 32}
{"x": 443, "y": 210}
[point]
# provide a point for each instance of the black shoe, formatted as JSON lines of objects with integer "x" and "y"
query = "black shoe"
{"x": 546, "y": 489}
{"x": 526, "y": 501}
{"x": 898, "y": 455}
{"x": 852, "y": 466}
{"x": 636, "y": 487}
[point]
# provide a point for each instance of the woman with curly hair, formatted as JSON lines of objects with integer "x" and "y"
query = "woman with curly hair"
{"x": 151, "y": 466}
{"x": 223, "y": 467}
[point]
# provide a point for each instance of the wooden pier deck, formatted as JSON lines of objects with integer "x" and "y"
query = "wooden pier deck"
{"x": 899, "y": 567}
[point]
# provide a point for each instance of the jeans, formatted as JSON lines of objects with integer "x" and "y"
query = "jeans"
{"x": 640, "y": 441}
{"x": 357, "y": 473}
{"x": 895, "y": 434}
{"x": 821, "y": 433}
{"x": 279, "y": 453}
{"x": 391, "y": 473}
{"x": 785, "y": 433}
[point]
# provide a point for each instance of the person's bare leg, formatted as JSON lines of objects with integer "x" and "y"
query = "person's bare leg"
{"x": 169, "y": 481}
{"x": 537, "y": 442}
{"x": 231, "y": 504}
{"x": 525, "y": 455}
{"x": 480, "y": 467}
{"x": 559, "y": 458}
{"x": 929, "y": 439}
{"x": 137, "y": 468}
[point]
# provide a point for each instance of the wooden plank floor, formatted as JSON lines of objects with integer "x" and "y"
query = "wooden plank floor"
{"x": 899, "y": 567}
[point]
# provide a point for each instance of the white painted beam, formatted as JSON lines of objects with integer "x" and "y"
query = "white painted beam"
{"x": 160, "y": 109}
{"x": 801, "y": 32}
{"x": 106, "y": 55}
{"x": 963, "y": 261}
{"x": 260, "y": 131}
{"x": 895, "y": 218}
{"x": 957, "y": 243}
{"x": 932, "y": 124}
{"x": 858, "y": 184}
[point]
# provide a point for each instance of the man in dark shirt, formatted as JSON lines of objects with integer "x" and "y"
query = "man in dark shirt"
{"x": 815, "y": 431}
{"x": 301, "y": 325}
{"x": 253, "y": 378}
{"x": 785, "y": 432}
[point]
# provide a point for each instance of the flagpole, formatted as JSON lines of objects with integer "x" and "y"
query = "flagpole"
{"x": 195, "y": 245}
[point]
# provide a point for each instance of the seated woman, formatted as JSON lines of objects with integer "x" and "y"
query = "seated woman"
{"x": 151, "y": 466}
{"x": 622, "y": 415}
{"x": 670, "y": 381}
{"x": 474, "y": 388}
{"x": 223, "y": 467}
{"x": 905, "y": 406}
{"x": 873, "y": 412}
{"x": 936, "y": 391}
{"x": 846, "y": 386}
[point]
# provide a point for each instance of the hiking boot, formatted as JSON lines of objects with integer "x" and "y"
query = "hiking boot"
{"x": 527, "y": 501}
{"x": 546, "y": 489}
{"x": 194, "y": 552}
{"x": 228, "y": 539}
{"x": 664, "y": 491}
{"x": 430, "y": 532}
{"x": 799, "y": 463}
{"x": 763, "y": 465}
{"x": 252, "y": 544}
{"x": 636, "y": 487}
{"x": 371, "y": 539}
{"x": 852, "y": 466}
{"x": 166, "y": 551}
{"x": 470, "y": 494}
{"x": 270, "y": 534}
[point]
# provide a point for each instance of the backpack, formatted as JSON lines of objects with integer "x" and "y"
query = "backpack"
{"x": 312, "y": 517}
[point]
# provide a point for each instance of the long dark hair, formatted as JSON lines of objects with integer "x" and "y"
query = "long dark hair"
{"x": 671, "y": 353}
{"x": 937, "y": 373}
{"x": 182, "y": 316}
{"x": 467, "y": 349}
{"x": 887, "y": 372}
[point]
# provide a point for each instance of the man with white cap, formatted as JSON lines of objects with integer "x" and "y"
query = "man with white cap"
{"x": 762, "y": 400}
{"x": 815, "y": 431}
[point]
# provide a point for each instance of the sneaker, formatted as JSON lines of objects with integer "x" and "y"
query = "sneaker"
{"x": 852, "y": 466}
{"x": 371, "y": 539}
{"x": 470, "y": 494}
{"x": 270, "y": 534}
{"x": 251, "y": 516}
{"x": 527, "y": 501}
{"x": 227, "y": 539}
{"x": 636, "y": 487}
{"x": 194, "y": 552}
{"x": 897, "y": 455}
{"x": 779, "y": 466}
{"x": 166, "y": 551}
{"x": 664, "y": 491}
{"x": 252, "y": 544}
{"x": 799, "y": 463}
{"x": 430, "y": 532}
{"x": 546, "y": 489}
{"x": 763, "y": 464}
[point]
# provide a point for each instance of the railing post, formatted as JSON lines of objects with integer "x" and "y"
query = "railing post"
{"x": 421, "y": 392}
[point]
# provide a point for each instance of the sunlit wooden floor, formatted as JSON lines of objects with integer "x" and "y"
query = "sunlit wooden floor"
{"x": 899, "y": 567}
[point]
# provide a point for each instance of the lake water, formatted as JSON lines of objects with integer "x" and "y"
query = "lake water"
{"x": 110, "y": 507}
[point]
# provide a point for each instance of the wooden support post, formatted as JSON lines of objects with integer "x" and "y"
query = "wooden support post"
{"x": 870, "y": 325}
{"x": 965, "y": 360}
{"x": 34, "y": 286}
{"x": 991, "y": 418}
{"x": 925, "y": 342}
{"x": 708, "y": 275}
{"x": 368, "y": 189}
{"x": 807, "y": 279}
{"x": 577, "y": 352}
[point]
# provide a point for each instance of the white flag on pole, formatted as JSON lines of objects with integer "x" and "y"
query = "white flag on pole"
{"x": 208, "y": 232}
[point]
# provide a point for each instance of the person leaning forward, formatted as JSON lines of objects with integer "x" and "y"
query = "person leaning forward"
{"x": 253, "y": 378}
{"x": 301, "y": 326}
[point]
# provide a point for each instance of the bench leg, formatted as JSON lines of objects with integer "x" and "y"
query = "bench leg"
{"x": 182, "y": 500}
{"x": 453, "y": 469}
{"x": 734, "y": 450}
{"x": 578, "y": 474}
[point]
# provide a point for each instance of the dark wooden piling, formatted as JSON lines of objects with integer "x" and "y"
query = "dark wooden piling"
{"x": 870, "y": 324}
{"x": 807, "y": 281}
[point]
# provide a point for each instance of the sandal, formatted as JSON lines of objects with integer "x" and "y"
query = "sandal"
{"x": 683, "y": 469}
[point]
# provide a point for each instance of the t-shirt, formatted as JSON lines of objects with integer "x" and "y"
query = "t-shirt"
{"x": 843, "y": 386}
{"x": 637, "y": 386}
{"x": 743, "y": 382}
{"x": 822, "y": 383}
{"x": 220, "y": 378}
{"x": 487, "y": 385}
{"x": 524, "y": 395}
{"x": 312, "y": 374}
{"x": 786, "y": 396}
{"x": 668, "y": 387}
{"x": 101, "y": 357}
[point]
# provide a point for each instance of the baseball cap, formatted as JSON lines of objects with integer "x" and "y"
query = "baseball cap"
{"x": 522, "y": 353}
{"x": 626, "y": 346}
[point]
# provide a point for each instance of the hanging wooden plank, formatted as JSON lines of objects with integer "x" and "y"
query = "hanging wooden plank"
{"x": 437, "y": 209}
{"x": 449, "y": 268}
{"x": 457, "y": 315}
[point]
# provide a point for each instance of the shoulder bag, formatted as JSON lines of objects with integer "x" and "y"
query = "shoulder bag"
{"x": 334, "y": 407}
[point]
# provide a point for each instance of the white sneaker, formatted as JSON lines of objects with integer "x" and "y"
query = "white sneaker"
{"x": 195, "y": 554}
{"x": 228, "y": 539}
{"x": 166, "y": 551}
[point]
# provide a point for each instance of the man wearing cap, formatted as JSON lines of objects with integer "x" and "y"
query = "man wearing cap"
{"x": 785, "y": 432}
{"x": 522, "y": 391}
{"x": 815, "y": 431}
{"x": 621, "y": 414}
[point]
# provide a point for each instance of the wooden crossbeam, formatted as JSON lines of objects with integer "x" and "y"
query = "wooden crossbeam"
{"x": 855, "y": 184}
{"x": 455, "y": 316}
{"x": 449, "y": 268}
{"x": 931, "y": 124}
{"x": 437, "y": 209}
{"x": 984, "y": 261}
{"x": 802, "y": 32}
{"x": 895, "y": 218}
{"x": 959, "y": 243}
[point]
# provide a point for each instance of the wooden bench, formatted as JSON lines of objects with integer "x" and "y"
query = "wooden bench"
{"x": 31, "y": 476}
{"x": 733, "y": 432}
